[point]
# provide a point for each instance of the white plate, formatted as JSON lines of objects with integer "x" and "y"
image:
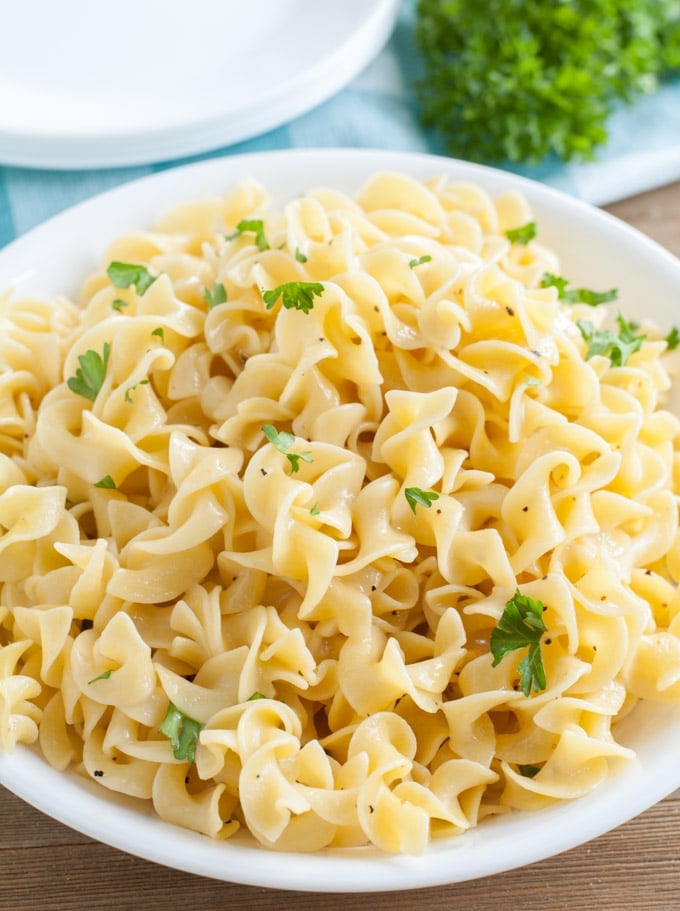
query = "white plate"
{"x": 595, "y": 248}
{"x": 88, "y": 84}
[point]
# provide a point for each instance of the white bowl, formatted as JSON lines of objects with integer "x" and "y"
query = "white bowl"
{"x": 596, "y": 250}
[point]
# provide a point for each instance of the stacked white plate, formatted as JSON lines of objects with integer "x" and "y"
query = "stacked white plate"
{"x": 96, "y": 84}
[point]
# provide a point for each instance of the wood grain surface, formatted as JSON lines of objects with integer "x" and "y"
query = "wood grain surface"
{"x": 45, "y": 866}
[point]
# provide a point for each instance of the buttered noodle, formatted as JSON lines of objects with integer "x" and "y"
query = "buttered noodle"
{"x": 327, "y": 638}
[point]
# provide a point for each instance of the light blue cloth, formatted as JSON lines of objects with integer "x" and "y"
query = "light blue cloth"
{"x": 378, "y": 110}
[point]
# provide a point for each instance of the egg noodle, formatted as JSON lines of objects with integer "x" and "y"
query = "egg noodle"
{"x": 268, "y": 490}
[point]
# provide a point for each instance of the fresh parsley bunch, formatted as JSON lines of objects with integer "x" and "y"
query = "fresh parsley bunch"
{"x": 517, "y": 80}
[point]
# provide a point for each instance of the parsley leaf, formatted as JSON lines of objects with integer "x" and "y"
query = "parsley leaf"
{"x": 523, "y": 234}
{"x": 314, "y": 511}
{"x": 106, "y": 482}
{"x": 217, "y": 296}
{"x": 255, "y": 696}
{"x": 118, "y": 304}
{"x": 251, "y": 226}
{"x": 103, "y": 676}
{"x": 591, "y": 298}
{"x": 131, "y": 389}
{"x": 283, "y": 440}
{"x": 577, "y": 295}
{"x": 550, "y": 280}
{"x": 295, "y": 295}
{"x": 123, "y": 275}
{"x": 182, "y": 733}
{"x": 279, "y": 438}
{"x": 300, "y": 256}
{"x": 89, "y": 377}
{"x": 528, "y": 771}
{"x": 415, "y": 495}
{"x": 419, "y": 261}
{"x": 673, "y": 338}
{"x": 521, "y": 626}
{"x": 160, "y": 333}
{"x": 618, "y": 348}
{"x": 294, "y": 459}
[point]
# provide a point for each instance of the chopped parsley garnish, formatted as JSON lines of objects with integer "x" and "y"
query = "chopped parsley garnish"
{"x": 593, "y": 298}
{"x": 314, "y": 511}
{"x": 283, "y": 440}
{"x": 106, "y": 482}
{"x": 103, "y": 676}
{"x": 528, "y": 771}
{"x": 251, "y": 226}
{"x": 426, "y": 258}
{"x": 523, "y": 234}
{"x": 577, "y": 295}
{"x": 550, "y": 280}
{"x": 415, "y": 496}
{"x": 256, "y": 695}
{"x": 618, "y": 348}
{"x": 217, "y": 296}
{"x": 300, "y": 256}
{"x": 160, "y": 333}
{"x": 118, "y": 304}
{"x": 294, "y": 295}
{"x": 294, "y": 459}
{"x": 521, "y": 626}
{"x": 182, "y": 732}
{"x": 131, "y": 389}
{"x": 89, "y": 377}
{"x": 673, "y": 338}
{"x": 124, "y": 275}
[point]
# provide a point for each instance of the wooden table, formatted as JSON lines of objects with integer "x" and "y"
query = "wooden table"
{"x": 46, "y": 866}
